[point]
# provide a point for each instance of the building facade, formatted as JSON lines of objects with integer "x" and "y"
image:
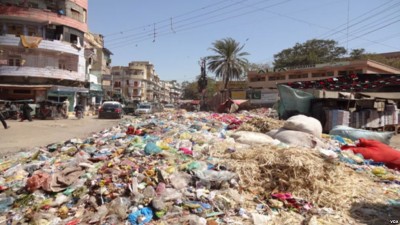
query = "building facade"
{"x": 41, "y": 49}
{"x": 98, "y": 64}
{"x": 175, "y": 91}
{"x": 262, "y": 86}
{"x": 139, "y": 82}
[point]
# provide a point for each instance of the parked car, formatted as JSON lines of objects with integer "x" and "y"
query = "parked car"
{"x": 169, "y": 107}
{"x": 158, "y": 107}
{"x": 144, "y": 108}
{"x": 111, "y": 109}
{"x": 130, "y": 107}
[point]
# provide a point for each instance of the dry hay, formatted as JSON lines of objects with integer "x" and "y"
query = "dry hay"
{"x": 261, "y": 124}
{"x": 304, "y": 173}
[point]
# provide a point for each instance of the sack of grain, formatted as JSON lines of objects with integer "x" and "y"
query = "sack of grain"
{"x": 251, "y": 138}
{"x": 305, "y": 124}
{"x": 299, "y": 139}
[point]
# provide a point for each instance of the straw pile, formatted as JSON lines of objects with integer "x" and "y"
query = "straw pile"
{"x": 261, "y": 124}
{"x": 265, "y": 169}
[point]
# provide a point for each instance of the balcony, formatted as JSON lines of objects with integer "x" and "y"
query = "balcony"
{"x": 135, "y": 76}
{"x": 135, "y": 86}
{"x": 24, "y": 71}
{"x": 42, "y": 16}
{"x": 55, "y": 45}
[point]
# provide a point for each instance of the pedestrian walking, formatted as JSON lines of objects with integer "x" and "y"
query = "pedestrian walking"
{"x": 66, "y": 105}
{"x": 3, "y": 121}
{"x": 26, "y": 112}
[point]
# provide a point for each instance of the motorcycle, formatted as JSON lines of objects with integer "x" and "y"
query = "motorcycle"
{"x": 10, "y": 114}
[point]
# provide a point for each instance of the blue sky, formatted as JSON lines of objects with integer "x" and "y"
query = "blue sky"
{"x": 185, "y": 29}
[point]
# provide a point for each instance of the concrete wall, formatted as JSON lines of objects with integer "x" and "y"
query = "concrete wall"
{"x": 13, "y": 12}
{"x": 41, "y": 72}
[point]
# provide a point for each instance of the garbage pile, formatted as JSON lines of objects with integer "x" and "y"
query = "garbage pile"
{"x": 195, "y": 168}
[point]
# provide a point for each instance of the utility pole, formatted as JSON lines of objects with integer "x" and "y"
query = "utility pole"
{"x": 202, "y": 84}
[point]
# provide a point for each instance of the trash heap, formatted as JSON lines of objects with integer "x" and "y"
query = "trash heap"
{"x": 194, "y": 168}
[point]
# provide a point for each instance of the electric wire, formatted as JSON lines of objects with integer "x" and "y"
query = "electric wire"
{"x": 161, "y": 21}
{"x": 168, "y": 26}
{"x": 186, "y": 27}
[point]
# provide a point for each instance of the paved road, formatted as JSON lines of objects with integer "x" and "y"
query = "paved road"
{"x": 25, "y": 135}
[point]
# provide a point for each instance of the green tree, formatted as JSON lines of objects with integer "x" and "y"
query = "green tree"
{"x": 357, "y": 53}
{"x": 311, "y": 52}
{"x": 229, "y": 62}
{"x": 190, "y": 89}
{"x": 259, "y": 67}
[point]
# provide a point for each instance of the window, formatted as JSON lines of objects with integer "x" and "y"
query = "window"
{"x": 75, "y": 14}
{"x": 117, "y": 84}
{"x": 319, "y": 74}
{"x": 14, "y": 61}
{"x": 73, "y": 38}
{"x": 22, "y": 91}
{"x": 62, "y": 65}
{"x": 298, "y": 76}
{"x": 15, "y": 29}
{"x": 342, "y": 73}
{"x": 330, "y": 74}
{"x": 84, "y": 16}
{"x": 276, "y": 77}
{"x": 255, "y": 79}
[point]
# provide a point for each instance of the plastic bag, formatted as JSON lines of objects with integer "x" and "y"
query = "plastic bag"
{"x": 151, "y": 148}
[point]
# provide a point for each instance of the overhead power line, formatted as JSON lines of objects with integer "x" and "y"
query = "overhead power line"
{"x": 363, "y": 18}
{"x": 165, "y": 20}
{"x": 201, "y": 23}
{"x": 352, "y": 34}
{"x": 165, "y": 24}
{"x": 193, "y": 19}
{"x": 343, "y": 26}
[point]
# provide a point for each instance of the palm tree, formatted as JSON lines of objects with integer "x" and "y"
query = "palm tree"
{"x": 229, "y": 63}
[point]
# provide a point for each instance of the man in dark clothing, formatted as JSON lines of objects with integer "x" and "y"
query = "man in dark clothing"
{"x": 79, "y": 109}
{"x": 26, "y": 112}
{"x": 3, "y": 121}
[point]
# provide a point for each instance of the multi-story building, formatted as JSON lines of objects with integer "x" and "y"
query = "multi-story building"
{"x": 165, "y": 91}
{"x": 262, "y": 86}
{"x": 98, "y": 64}
{"x": 41, "y": 49}
{"x": 139, "y": 81}
{"x": 175, "y": 91}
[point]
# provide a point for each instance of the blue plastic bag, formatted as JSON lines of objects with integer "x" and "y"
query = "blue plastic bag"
{"x": 151, "y": 148}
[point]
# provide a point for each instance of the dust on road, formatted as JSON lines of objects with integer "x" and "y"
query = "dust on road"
{"x": 26, "y": 135}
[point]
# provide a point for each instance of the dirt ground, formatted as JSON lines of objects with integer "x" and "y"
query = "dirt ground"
{"x": 25, "y": 135}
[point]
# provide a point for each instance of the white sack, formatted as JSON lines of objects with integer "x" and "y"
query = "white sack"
{"x": 305, "y": 124}
{"x": 355, "y": 134}
{"x": 272, "y": 133}
{"x": 251, "y": 138}
{"x": 299, "y": 139}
